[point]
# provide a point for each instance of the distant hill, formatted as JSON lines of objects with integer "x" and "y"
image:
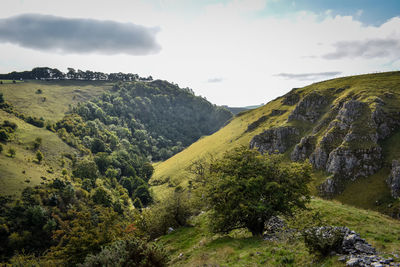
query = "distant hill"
{"x": 348, "y": 128}
{"x": 237, "y": 110}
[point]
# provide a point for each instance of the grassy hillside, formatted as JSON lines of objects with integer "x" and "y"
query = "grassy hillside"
{"x": 22, "y": 170}
{"x": 55, "y": 97}
{"x": 196, "y": 246}
{"x": 368, "y": 89}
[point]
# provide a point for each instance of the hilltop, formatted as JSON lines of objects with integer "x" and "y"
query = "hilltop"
{"x": 348, "y": 129}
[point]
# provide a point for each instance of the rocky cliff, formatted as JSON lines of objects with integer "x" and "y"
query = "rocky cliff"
{"x": 339, "y": 131}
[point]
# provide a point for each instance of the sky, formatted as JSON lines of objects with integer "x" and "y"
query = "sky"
{"x": 233, "y": 52}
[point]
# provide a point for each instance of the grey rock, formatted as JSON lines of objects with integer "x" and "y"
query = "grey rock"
{"x": 309, "y": 108}
{"x": 353, "y": 262}
{"x": 394, "y": 179}
{"x": 275, "y": 140}
{"x": 291, "y": 98}
{"x": 303, "y": 149}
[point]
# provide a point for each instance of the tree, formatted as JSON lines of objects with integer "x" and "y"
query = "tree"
{"x": 1, "y": 97}
{"x": 244, "y": 189}
{"x": 39, "y": 156}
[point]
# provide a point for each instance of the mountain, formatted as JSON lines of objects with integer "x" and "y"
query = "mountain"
{"x": 347, "y": 128}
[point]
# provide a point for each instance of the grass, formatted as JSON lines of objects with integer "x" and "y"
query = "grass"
{"x": 23, "y": 170}
{"x": 362, "y": 193}
{"x": 55, "y": 97}
{"x": 196, "y": 246}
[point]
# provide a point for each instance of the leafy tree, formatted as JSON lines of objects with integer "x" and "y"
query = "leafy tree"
{"x": 86, "y": 169}
{"x": 102, "y": 196}
{"x": 1, "y": 98}
{"x": 244, "y": 189}
{"x": 39, "y": 156}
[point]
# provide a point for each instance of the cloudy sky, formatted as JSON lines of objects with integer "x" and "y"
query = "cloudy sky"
{"x": 233, "y": 52}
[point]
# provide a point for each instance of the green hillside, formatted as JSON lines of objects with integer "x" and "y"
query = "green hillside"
{"x": 315, "y": 112}
{"x": 21, "y": 171}
{"x": 196, "y": 246}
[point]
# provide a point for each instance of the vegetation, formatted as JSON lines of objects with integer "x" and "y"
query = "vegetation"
{"x": 240, "y": 131}
{"x": 245, "y": 189}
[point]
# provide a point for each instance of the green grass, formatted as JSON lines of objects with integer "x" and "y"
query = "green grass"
{"x": 362, "y": 193}
{"x": 23, "y": 170}
{"x": 198, "y": 247}
{"x": 10, "y": 81}
{"x": 56, "y": 96}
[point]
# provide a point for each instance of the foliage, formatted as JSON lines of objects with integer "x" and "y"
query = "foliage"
{"x": 323, "y": 240}
{"x": 130, "y": 252}
{"x": 244, "y": 189}
{"x": 39, "y": 156}
{"x": 37, "y": 143}
{"x": 11, "y": 152}
{"x": 157, "y": 119}
{"x": 86, "y": 169}
{"x": 173, "y": 211}
{"x": 1, "y": 148}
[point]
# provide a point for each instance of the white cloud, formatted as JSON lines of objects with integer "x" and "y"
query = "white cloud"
{"x": 223, "y": 39}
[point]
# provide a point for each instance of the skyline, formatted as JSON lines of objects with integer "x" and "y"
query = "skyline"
{"x": 236, "y": 53}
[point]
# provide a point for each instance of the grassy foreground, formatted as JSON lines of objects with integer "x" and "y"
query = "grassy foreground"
{"x": 196, "y": 246}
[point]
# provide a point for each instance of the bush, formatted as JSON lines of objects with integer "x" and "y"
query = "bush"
{"x": 3, "y": 135}
{"x": 1, "y": 148}
{"x": 86, "y": 169}
{"x": 11, "y": 152}
{"x": 174, "y": 211}
{"x": 130, "y": 252}
{"x": 37, "y": 143}
{"x": 323, "y": 240}
{"x": 39, "y": 156}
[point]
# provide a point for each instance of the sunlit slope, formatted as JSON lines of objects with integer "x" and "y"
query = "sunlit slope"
{"x": 50, "y": 99}
{"x": 367, "y": 89}
{"x": 174, "y": 170}
{"x": 197, "y": 246}
{"x": 22, "y": 170}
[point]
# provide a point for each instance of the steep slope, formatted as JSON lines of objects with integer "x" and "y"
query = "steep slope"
{"x": 347, "y": 128}
{"x": 23, "y": 170}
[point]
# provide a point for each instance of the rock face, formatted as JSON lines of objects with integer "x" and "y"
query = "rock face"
{"x": 303, "y": 149}
{"x": 309, "y": 108}
{"x": 344, "y": 133}
{"x": 394, "y": 179}
{"x": 291, "y": 98}
{"x": 276, "y": 140}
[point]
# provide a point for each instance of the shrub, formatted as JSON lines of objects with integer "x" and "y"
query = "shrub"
{"x": 11, "y": 152}
{"x": 174, "y": 211}
{"x": 130, "y": 252}
{"x": 39, "y": 156}
{"x": 37, "y": 143}
{"x": 3, "y": 135}
{"x": 323, "y": 240}
{"x": 1, "y": 148}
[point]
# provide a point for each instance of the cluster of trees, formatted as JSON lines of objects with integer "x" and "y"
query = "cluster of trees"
{"x": 63, "y": 223}
{"x": 155, "y": 120}
{"x": 45, "y": 73}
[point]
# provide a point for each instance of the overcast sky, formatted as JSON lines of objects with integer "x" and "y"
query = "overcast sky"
{"x": 233, "y": 52}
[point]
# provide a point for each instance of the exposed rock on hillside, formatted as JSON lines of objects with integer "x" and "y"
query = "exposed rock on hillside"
{"x": 309, "y": 108}
{"x": 276, "y": 140}
{"x": 304, "y": 149}
{"x": 394, "y": 179}
{"x": 291, "y": 98}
